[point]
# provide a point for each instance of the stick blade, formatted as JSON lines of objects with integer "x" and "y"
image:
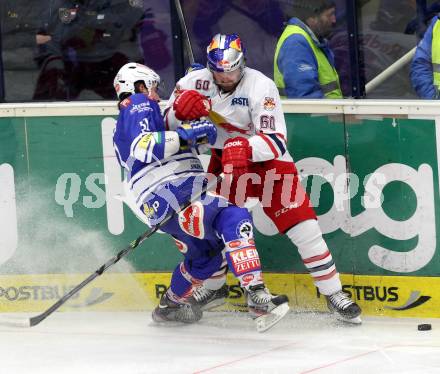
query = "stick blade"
{"x": 266, "y": 321}
{"x": 15, "y": 321}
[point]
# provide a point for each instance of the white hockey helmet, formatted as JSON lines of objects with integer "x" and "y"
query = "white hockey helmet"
{"x": 131, "y": 73}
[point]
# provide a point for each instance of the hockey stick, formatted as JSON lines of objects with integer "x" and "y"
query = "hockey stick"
{"x": 220, "y": 121}
{"x": 184, "y": 30}
{"x": 216, "y": 118}
{"x": 33, "y": 321}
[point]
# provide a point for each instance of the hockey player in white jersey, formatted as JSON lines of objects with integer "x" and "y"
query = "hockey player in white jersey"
{"x": 162, "y": 172}
{"x": 251, "y": 147}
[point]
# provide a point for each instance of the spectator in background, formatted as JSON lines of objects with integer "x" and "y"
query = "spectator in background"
{"x": 425, "y": 67}
{"x": 152, "y": 41}
{"x": 390, "y": 18}
{"x": 25, "y": 41}
{"x": 383, "y": 40}
{"x": 259, "y": 22}
{"x": 423, "y": 14}
{"x": 88, "y": 34}
{"x": 304, "y": 64}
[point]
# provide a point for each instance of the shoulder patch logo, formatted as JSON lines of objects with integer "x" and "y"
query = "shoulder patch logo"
{"x": 245, "y": 229}
{"x": 67, "y": 15}
{"x": 269, "y": 103}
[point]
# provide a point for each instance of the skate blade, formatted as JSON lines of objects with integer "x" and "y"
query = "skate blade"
{"x": 266, "y": 321}
{"x": 353, "y": 321}
{"x": 214, "y": 304}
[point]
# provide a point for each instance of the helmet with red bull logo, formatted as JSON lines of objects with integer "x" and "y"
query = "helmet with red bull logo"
{"x": 225, "y": 53}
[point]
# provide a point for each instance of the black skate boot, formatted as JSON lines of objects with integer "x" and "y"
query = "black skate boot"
{"x": 207, "y": 299}
{"x": 169, "y": 310}
{"x": 265, "y": 308}
{"x": 347, "y": 309}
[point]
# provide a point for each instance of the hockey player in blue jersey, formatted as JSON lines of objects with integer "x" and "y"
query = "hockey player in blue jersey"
{"x": 162, "y": 172}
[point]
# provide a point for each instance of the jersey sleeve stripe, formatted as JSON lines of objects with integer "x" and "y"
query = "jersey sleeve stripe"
{"x": 149, "y": 151}
{"x": 278, "y": 142}
{"x": 282, "y": 136}
{"x": 270, "y": 144}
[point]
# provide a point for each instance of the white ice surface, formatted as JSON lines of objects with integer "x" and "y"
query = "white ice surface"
{"x": 130, "y": 343}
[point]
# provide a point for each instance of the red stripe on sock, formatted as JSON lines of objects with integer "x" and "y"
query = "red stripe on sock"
{"x": 316, "y": 258}
{"x": 325, "y": 277}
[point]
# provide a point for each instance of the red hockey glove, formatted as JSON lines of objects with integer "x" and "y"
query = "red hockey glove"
{"x": 237, "y": 155}
{"x": 191, "y": 105}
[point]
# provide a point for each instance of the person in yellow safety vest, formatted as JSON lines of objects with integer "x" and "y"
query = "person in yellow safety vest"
{"x": 303, "y": 63}
{"x": 425, "y": 66}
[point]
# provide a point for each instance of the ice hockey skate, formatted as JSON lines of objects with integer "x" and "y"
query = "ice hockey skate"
{"x": 207, "y": 299}
{"x": 169, "y": 310}
{"x": 346, "y": 309}
{"x": 265, "y": 308}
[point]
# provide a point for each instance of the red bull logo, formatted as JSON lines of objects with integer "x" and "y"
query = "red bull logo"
{"x": 269, "y": 103}
{"x": 236, "y": 44}
{"x": 213, "y": 45}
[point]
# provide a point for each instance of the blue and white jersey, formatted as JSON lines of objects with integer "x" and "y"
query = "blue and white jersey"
{"x": 139, "y": 142}
{"x": 160, "y": 179}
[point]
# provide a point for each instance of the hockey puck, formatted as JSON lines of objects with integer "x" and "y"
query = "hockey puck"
{"x": 424, "y": 327}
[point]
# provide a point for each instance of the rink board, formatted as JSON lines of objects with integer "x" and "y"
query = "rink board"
{"x": 371, "y": 168}
{"x": 391, "y": 296}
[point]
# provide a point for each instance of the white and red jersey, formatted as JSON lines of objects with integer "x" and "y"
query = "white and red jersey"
{"x": 253, "y": 110}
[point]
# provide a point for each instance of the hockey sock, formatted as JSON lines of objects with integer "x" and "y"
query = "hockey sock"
{"x": 244, "y": 261}
{"x": 182, "y": 282}
{"x": 316, "y": 256}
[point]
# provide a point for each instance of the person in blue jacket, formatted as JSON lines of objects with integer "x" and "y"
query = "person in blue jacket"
{"x": 425, "y": 66}
{"x": 304, "y": 64}
{"x": 162, "y": 173}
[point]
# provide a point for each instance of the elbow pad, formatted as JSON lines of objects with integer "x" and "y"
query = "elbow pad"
{"x": 172, "y": 143}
